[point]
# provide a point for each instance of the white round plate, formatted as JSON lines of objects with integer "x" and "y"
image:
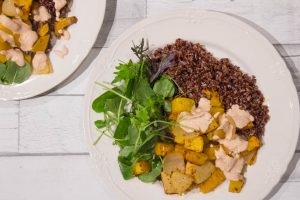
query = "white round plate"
{"x": 224, "y": 36}
{"x": 90, "y": 14}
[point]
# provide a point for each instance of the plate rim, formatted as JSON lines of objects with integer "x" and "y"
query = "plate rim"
{"x": 37, "y": 92}
{"x": 88, "y": 97}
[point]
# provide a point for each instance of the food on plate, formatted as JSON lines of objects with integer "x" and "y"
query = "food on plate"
{"x": 28, "y": 32}
{"x": 182, "y": 116}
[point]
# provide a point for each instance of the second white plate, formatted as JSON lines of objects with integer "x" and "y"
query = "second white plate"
{"x": 90, "y": 14}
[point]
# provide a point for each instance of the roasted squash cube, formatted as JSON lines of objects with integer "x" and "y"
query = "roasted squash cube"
{"x": 236, "y": 186}
{"x": 194, "y": 144}
{"x": 253, "y": 143}
{"x": 210, "y": 152}
{"x": 180, "y": 149}
{"x": 162, "y": 149}
{"x": 213, "y": 181}
{"x": 200, "y": 173}
{"x": 181, "y": 104}
{"x": 141, "y": 167}
{"x": 195, "y": 157}
{"x": 62, "y": 24}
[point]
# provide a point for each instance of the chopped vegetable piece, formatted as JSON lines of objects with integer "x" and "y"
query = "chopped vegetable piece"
{"x": 210, "y": 152}
{"x": 251, "y": 158}
{"x": 181, "y": 104}
{"x": 213, "y": 181}
{"x": 43, "y": 69}
{"x": 212, "y": 126}
{"x": 63, "y": 23}
{"x": 195, "y": 157}
{"x": 181, "y": 182}
{"x": 162, "y": 149}
{"x": 41, "y": 44}
{"x": 214, "y": 110}
{"x": 4, "y": 46}
{"x": 180, "y": 149}
{"x": 173, "y": 162}
{"x": 166, "y": 180}
{"x": 236, "y": 186}
{"x": 2, "y": 58}
{"x": 215, "y": 100}
{"x": 200, "y": 173}
{"x": 177, "y": 131}
{"x": 253, "y": 143}
{"x": 179, "y": 139}
{"x": 141, "y": 167}
{"x": 24, "y": 3}
{"x": 43, "y": 29}
{"x": 194, "y": 144}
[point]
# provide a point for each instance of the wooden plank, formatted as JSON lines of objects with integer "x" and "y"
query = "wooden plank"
{"x": 119, "y": 16}
{"x": 278, "y": 18}
{"x": 52, "y": 124}
{"x": 8, "y": 141}
{"x": 293, "y": 64}
{"x": 288, "y": 191}
{"x": 9, "y": 126}
{"x": 115, "y": 28}
{"x": 48, "y": 178}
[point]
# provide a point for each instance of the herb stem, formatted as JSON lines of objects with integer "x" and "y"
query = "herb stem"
{"x": 113, "y": 91}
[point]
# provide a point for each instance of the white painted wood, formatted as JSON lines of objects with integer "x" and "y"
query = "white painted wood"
{"x": 8, "y": 141}
{"x": 288, "y": 191}
{"x": 278, "y": 17}
{"x": 52, "y": 124}
{"x": 118, "y": 27}
{"x": 9, "y": 126}
{"x": 49, "y": 178}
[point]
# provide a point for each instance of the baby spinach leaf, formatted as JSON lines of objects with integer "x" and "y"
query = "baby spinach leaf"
{"x": 126, "y": 152}
{"x": 99, "y": 103}
{"x": 23, "y": 73}
{"x": 2, "y": 71}
{"x": 126, "y": 170}
{"x": 10, "y": 73}
{"x": 150, "y": 177}
{"x": 164, "y": 87}
{"x": 143, "y": 91}
{"x": 100, "y": 124}
{"x": 112, "y": 105}
{"x": 133, "y": 134}
{"x": 121, "y": 133}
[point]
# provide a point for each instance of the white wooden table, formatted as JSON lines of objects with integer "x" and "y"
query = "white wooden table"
{"x": 43, "y": 154}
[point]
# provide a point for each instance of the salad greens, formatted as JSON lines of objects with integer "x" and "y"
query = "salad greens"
{"x": 134, "y": 113}
{"x": 11, "y": 73}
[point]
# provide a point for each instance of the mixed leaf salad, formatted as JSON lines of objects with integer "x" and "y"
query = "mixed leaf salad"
{"x": 135, "y": 115}
{"x": 163, "y": 135}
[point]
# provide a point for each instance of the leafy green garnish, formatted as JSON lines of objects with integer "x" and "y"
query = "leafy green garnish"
{"x": 156, "y": 167}
{"x": 164, "y": 87}
{"x": 10, "y": 73}
{"x": 135, "y": 113}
